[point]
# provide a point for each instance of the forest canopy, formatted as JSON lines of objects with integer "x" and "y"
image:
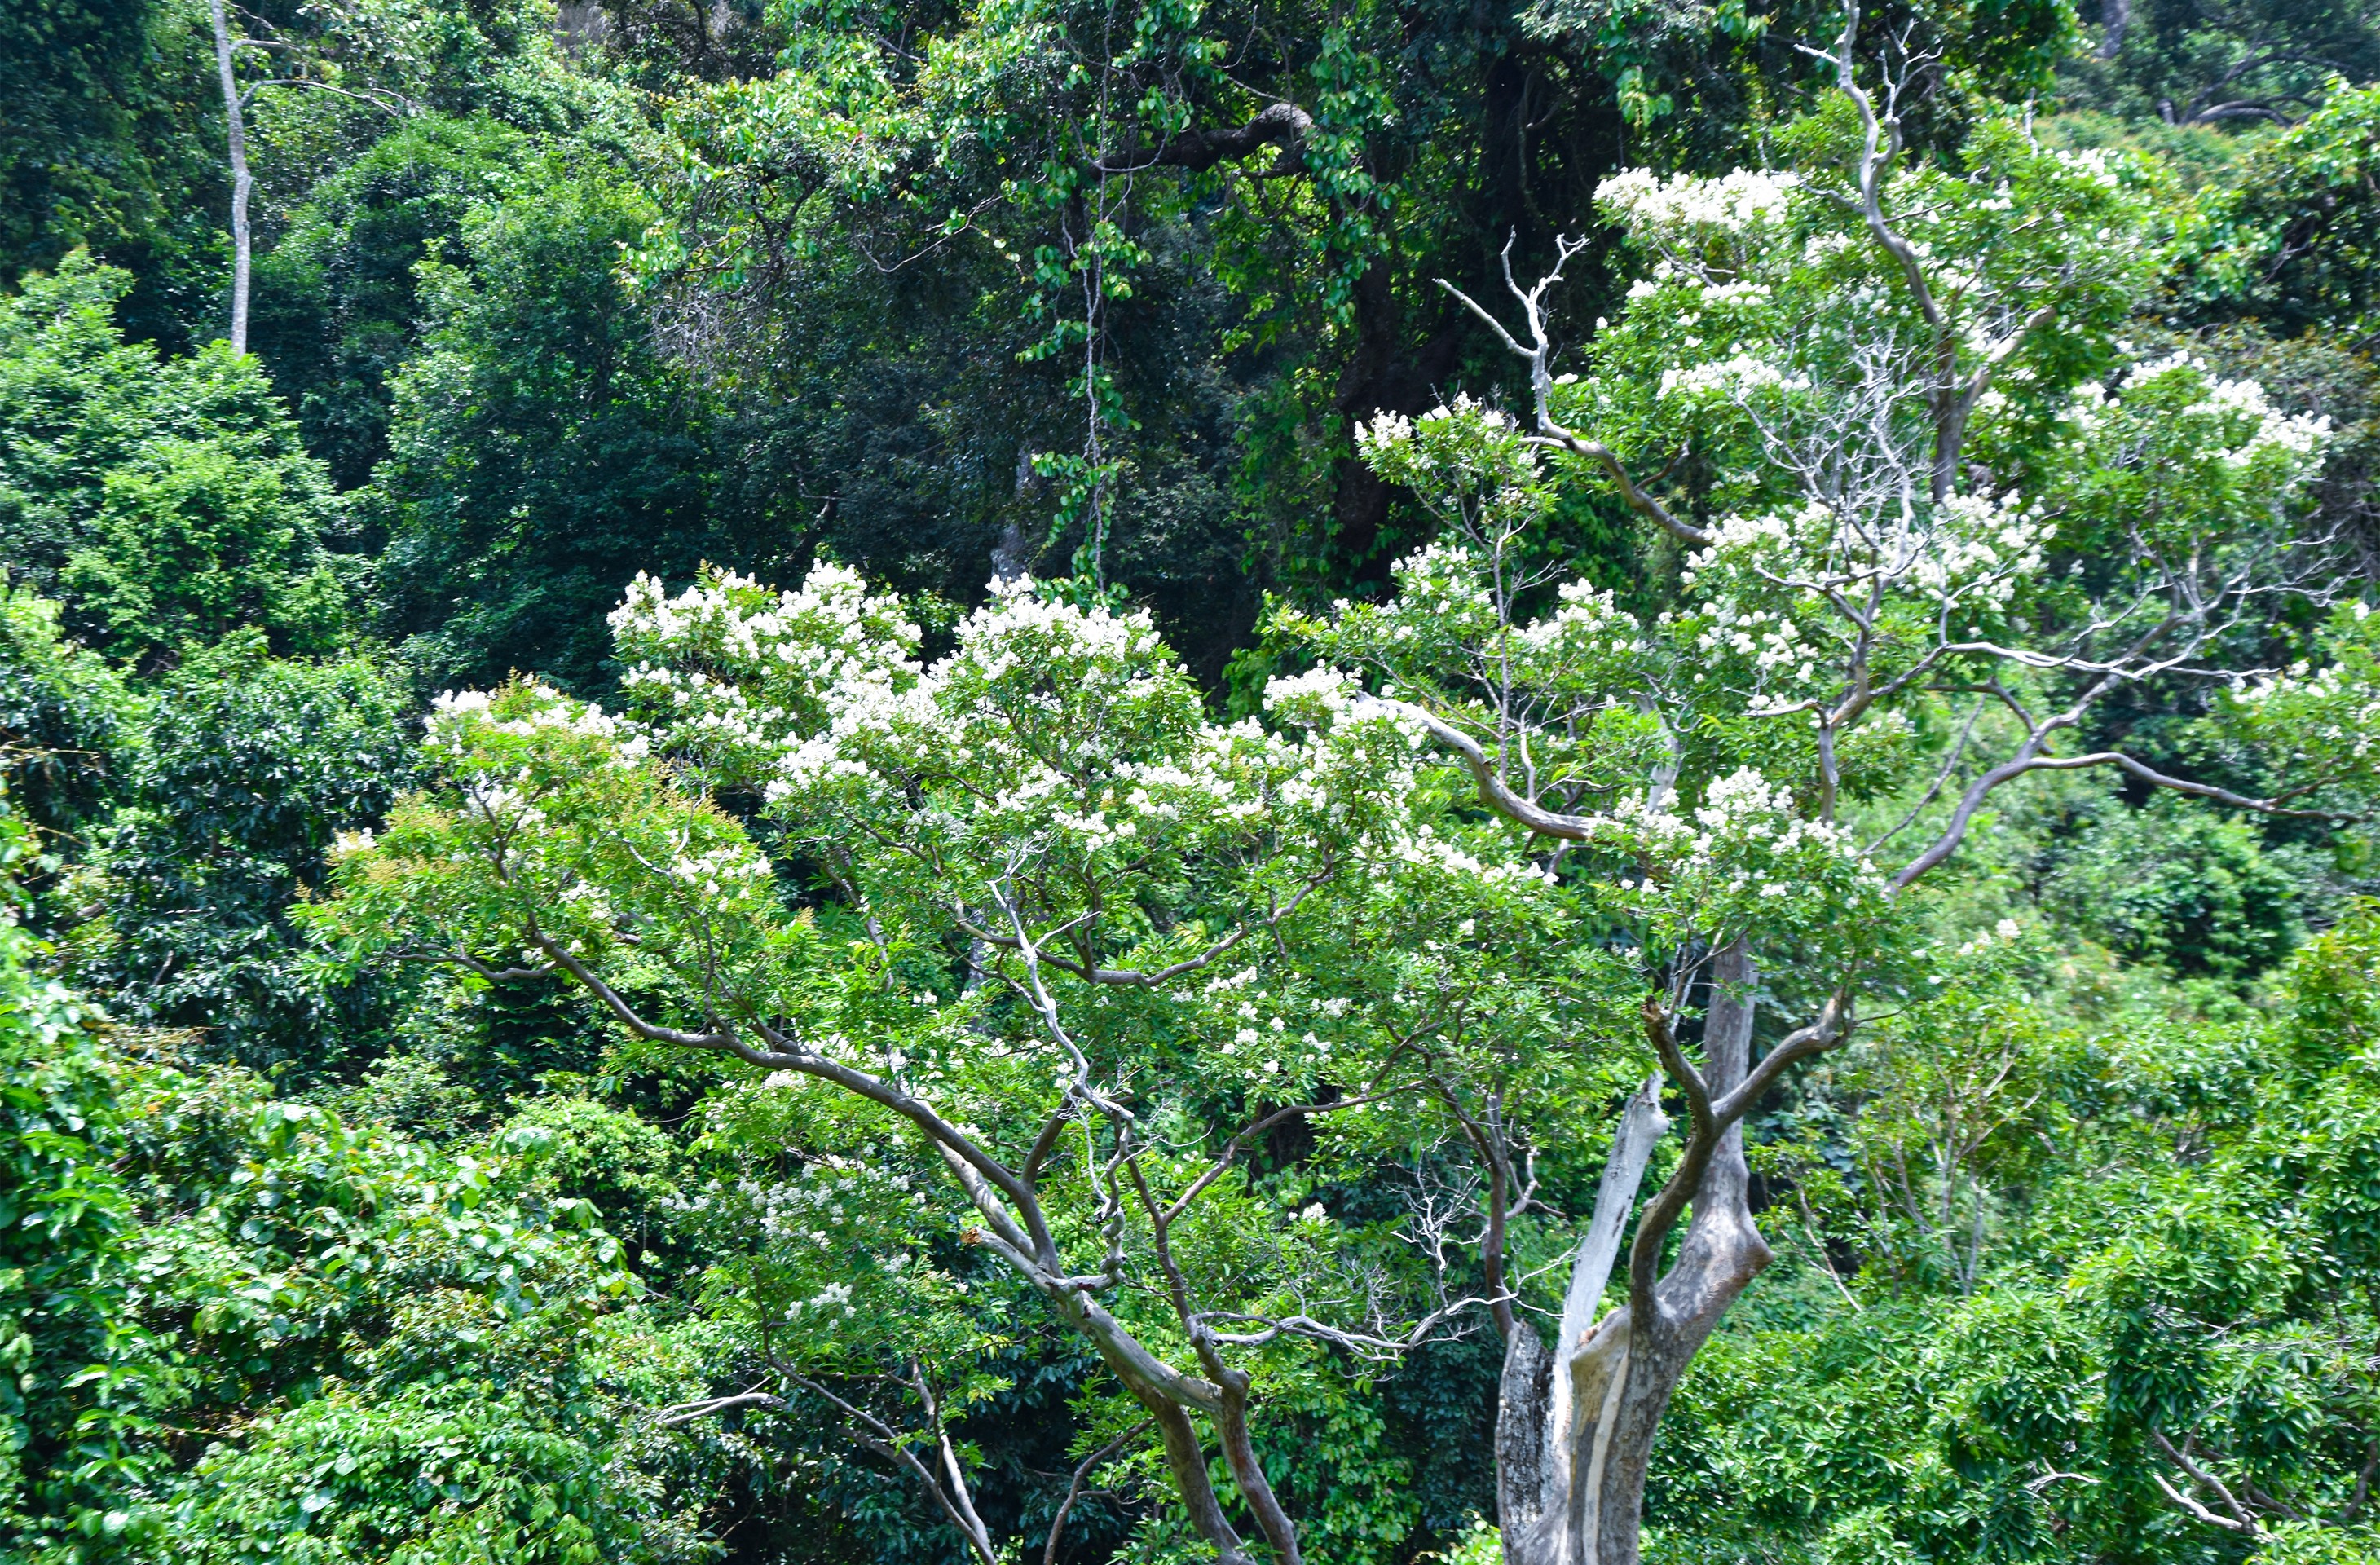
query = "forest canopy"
{"x": 840, "y": 780}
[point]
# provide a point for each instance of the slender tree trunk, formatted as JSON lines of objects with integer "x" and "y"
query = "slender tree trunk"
{"x": 2115, "y": 16}
{"x": 236, "y": 121}
{"x": 1574, "y": 1433}
{"x": 1247, "y": 1471}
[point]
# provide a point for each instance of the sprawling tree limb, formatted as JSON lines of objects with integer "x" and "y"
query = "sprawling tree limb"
{"x": 2029, "y": 758}
{"x": 1283, "y": 124}
{"x": 1248, "y": 1468}
{"x": 1486, "y": 771}
{"x": 1670, "y": 1316}
{"x": 1024, "y": 1241}
{"x": 711, "y": 1407}
{"x": 2241, "y": 1520}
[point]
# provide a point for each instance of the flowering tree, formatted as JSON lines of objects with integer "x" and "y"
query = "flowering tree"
{"x": 1932, "y": 511}
{"x": 1056, "y": 916}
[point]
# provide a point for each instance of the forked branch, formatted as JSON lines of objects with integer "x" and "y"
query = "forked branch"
{"x": 1538, "y": 354}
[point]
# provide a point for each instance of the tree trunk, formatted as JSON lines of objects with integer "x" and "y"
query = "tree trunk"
{"x": 2115, "y": 16}
{"x": 1381, "y": 377}
{"x": 1574, "y": 1431}
{"x": 1141, "y": 1373}
{"x": 1186, "y": 1460}
{"x": 235, "y": 119}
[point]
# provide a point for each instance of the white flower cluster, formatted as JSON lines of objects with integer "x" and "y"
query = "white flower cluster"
{"x": 456, "y": 717}
{"x": 1425, "y": 849}
{"x": 1770, "y": 638}
{"x": 1318, "y": 697}
{"x": 823, "y": 629}
{"x": 2329, "y": 709}
{"x": 1971, "y": 550}
{"x": 2294, "y": 433}
{"x": 1742, "y": 801}
{"x": 2090, "y": 163}
{"x": 1735, "y": 202}
{"x": 1587, "y": 622}
{"x": 1810, "y": 530}
{"x": 1265, "y": 1043}
{"x": 1723, "y": 294}
{"x": 823, "y": 1304}
{"x": 728, "y": 673}
{"x": 2233, "y": 403}
{"x": 1386, "y": 432}
{"x": 500, "y": 803}
{"x": 810, "y": 1209}
{"x": 2007, "y": 931}
{"x": 1381, "y": 433}
{"x": 860, "y": 711}
{"x": 1978, "y": 538}
{"x": 1735, "y": 376}
{"x": 997, "y": 708}
{"x": 1745, "y": 839}
{"x": 725, "y": 876}
{"x": 1019, "y": 620}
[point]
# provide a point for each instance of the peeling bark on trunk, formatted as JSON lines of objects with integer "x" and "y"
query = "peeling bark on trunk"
{"x": 1575, "y": 1425}
{"x": 1525, "y": 1484}
{"x": 1538, "y": 1436}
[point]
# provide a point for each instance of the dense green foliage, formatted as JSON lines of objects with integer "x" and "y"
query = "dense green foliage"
{"x": 758, "y": 849}
{"x": 171, "y": 498}
{"x": 2172, "y": 1241}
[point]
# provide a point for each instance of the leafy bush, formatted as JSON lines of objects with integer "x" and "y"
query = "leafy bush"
{"x": 245, "y": 770}
{"x": 171, "y": 500}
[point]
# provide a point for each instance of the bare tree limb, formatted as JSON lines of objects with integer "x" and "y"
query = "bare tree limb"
{"x": 1539, "y": 355}
{"x": 1075, "y": 1489}
{"x": 1284, "y": 125}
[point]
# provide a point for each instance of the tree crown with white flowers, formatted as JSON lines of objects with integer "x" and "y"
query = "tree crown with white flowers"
{"x": 1032, "y": 930}
{"x": 1931, "y": 509}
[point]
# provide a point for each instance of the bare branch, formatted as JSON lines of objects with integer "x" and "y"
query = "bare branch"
{"x": 1075, "y": 1489}
{"x": 687, "y": 1413}
{"x": 2200, "y": 1511}
{"x": 1284, "y": 125}
{"x": 2242, "y": 1520}
{"x": 1539, "y": 356}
